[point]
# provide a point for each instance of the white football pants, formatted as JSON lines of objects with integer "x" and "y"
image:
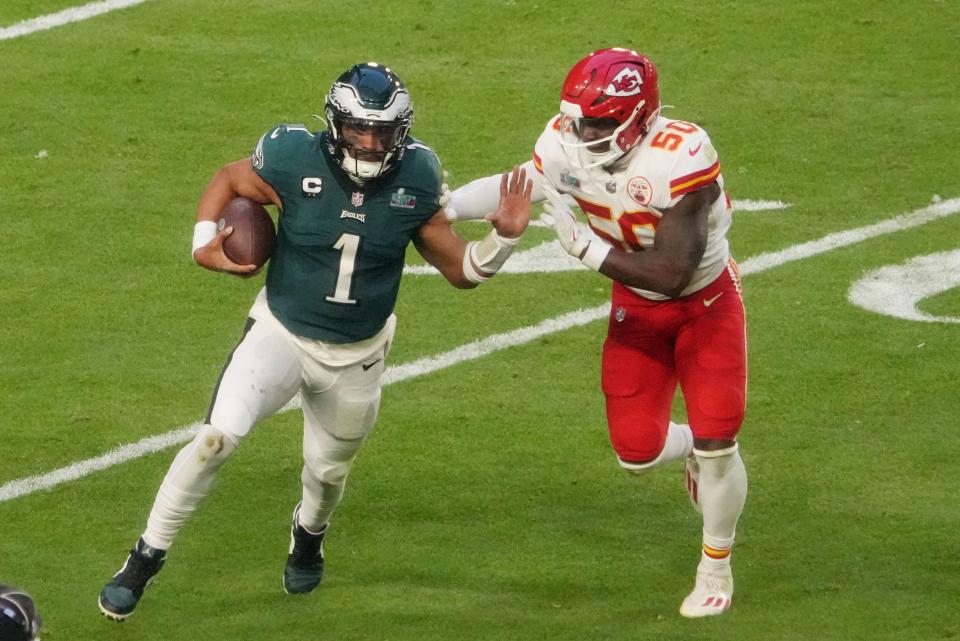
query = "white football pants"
{"x": 264, "y": 372}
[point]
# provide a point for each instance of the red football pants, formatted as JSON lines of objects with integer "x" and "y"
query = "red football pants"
{"x": 698, "y": 341}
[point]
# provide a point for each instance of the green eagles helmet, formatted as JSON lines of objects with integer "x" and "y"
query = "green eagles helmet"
{"x": 369, "y": 114}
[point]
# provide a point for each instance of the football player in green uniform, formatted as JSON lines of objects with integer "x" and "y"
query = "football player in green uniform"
{"x": 351, "y": 199}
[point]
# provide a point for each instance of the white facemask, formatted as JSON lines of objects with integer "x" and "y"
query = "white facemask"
{"x": 360, "y": 170}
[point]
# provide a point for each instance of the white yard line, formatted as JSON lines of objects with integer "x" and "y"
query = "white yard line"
{"x": 735, "y": 206}
{"x": 483, "y": 347}
{"x": 844, "y": 238}
{"x": 73, "y": 14}
{"x": 394, "y": 374}
{"x": 758, "y": 205}
{"x": 80, "y": 469}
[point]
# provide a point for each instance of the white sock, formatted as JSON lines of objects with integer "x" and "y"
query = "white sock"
{"x": 722, "y": 493}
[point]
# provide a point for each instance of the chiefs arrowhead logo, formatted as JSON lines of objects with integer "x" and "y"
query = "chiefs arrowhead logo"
{"x": 628, "y": 82}
{"x": 640, "y": 190}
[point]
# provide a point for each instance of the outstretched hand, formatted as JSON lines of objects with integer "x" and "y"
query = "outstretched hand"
{"x": 576, "y": 238}
{"x": 573, "y": 235}
{"x": 212, "y": 257}
{"x": 513, "y": 214}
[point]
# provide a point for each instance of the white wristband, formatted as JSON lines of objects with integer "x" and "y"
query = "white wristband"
{"x": 595, "y": 255}
{"x": 203, "y": 233}
{"x": 484, "y": 258}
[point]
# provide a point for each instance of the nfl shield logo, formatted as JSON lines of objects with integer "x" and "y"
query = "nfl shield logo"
{"x": 356, "y": 199}
{"x": 620, "y": 314}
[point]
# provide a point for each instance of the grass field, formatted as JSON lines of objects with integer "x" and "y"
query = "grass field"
{"x": 487, "y": 504}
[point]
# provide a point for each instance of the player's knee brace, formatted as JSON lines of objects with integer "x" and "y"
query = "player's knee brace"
{"x": 190, "y": 478}
{"x": 326, "y": 471}
{"x": 213, "y": 447}
{"x": 326, "y": 458}
{"x": 196, "y": 465}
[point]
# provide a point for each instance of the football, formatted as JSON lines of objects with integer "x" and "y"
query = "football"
{"x": 254, "y": 235}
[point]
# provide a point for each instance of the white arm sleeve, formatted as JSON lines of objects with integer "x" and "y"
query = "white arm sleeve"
{"x": 480, "y": 197}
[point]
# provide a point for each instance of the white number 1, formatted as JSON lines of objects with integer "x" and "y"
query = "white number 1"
{"x": 349, "y": 243}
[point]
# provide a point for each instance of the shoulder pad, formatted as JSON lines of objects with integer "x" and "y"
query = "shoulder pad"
{"x": 413, "y": 145}
{"x": 279, "y": 137}
{"x": 421, "y": 165}
{"x": 280, "y": 130}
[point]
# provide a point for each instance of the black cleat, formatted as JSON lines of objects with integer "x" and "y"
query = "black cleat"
{"x": 119, "y": 597}
{"x": 305, "y": 561}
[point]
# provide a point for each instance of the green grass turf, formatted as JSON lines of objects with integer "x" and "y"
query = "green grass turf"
{"x": 487, "y": 504}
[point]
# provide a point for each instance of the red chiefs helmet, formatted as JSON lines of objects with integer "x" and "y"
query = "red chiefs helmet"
{"x": 618, "y": 84}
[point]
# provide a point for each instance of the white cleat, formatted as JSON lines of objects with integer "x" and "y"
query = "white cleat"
{"x": 691, "y": 475}
{"x": 712, "y": 595}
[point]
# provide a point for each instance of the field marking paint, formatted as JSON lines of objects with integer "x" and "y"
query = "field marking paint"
{"x": 394, "y": 374}
{"x": 481, "y": 348}
{"x": 73, "y": 14}
{"x": 897, "y": 290}
{"x": 735, "y": 206}
{"x": 80, "y": 469}
{"x": 550, "y": 257}
{"x": 849, "y": 237}
{"x": 547, "y": 257}
{"x": 758, "y": 205}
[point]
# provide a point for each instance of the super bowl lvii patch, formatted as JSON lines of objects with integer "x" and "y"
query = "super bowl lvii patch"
{"x": 403, "y": 201}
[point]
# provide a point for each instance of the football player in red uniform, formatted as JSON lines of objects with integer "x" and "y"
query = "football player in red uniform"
{"x": 651, "y": 189}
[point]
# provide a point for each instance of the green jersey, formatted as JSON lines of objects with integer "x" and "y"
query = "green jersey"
{"x": 335, "y": 272}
